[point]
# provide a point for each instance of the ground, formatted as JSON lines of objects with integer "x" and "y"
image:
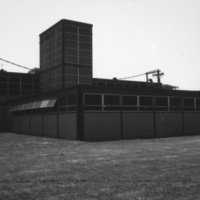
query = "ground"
{"x": 44, "y": 168}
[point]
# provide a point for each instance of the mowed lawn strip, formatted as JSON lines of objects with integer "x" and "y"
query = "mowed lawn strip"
{"x": 44, "y": 168}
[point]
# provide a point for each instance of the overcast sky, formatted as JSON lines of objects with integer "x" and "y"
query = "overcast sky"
{"x": 130, "y": 37}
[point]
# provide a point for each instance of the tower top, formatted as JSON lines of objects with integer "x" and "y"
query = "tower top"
{"x": 68, "y": 22}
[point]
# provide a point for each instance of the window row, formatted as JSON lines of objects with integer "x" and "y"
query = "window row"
{"x": 62, "y": 104}
{"x": 75, "y": 45}
{"x": 78, "y": 60}
{"x": 78, "y": 71}
{"x": 51, "y": 53}
{"x": 76, "y": 52}
{"x": 140, "y": 103}
{"x": 80, "y": 38}
{"x": 50, "y": 35}
{"x": 52, "y": 48}
{"x": 51, "y": 42}
{"x": 19, "y": 92}
{"x": 76, "y": 30}
{"x": 24, "y": 80}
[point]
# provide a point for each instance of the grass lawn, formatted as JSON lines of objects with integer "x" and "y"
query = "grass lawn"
{"x": 44, "y": 168}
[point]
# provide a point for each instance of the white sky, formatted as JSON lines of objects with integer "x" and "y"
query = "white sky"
{"x": 130, "y": 37}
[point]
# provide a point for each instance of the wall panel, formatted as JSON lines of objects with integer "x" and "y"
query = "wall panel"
{"x": 36, "y": 125}
{"x": 138, "y": 125}
{"x": 192, "y": 123}
{"x": 2, "y": 117}
{"x": 8, "y": 125}
{"x": 50, "y": 125}
{"x": 102, "y": 126}
{"x": 67, "y": 126}
{"x": 25, "y": 124}
{"x": 169, "y": 124}
{"x": 16, "y": 124}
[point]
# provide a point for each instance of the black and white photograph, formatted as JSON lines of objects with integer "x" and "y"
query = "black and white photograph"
{"x": 99, "y": 99}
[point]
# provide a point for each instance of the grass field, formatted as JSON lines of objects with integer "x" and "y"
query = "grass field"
{"x": 45, "y": 168}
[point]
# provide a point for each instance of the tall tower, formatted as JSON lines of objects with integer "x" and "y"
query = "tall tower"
{"x": 65, "y": 55}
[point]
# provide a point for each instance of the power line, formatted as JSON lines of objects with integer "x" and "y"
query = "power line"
{"x": 15, "y": 64}
{"x": 133, "y": 76}
{"x": 155, "y": 72}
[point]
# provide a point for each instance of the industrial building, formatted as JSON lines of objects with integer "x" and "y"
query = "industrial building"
{"x": 74, "y": 105}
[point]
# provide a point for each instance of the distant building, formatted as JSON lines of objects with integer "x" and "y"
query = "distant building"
{"x": 13, "y": 85}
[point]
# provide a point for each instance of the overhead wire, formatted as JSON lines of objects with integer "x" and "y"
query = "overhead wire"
{"x": 15, "y": 64}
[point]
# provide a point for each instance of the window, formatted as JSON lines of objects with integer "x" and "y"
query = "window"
{"x": 44, "y": 104}
{"x": 19, "y": 107}
{"x": 85, "y": 39}
{"x": 71, "y": 102}
{"x": 92, "y": 102}
{"x": 130, "y": 103}
{"x": 71, "y": 29}
{"x": 146, "y": 103}
{"x": 26, "y": 86}
{"x": 13, "y": 108}
{"x": 71, "y": 44}
{"x": 3, "y": 79}
{"x": 72, "y": 52}
{"x": 71, "y": 59}
{"x": 71, "y": 37}
{"x": 14, "y": 92}
{"x": 3, "y": 91}
{"x": 175, "y": 104}
{"x": 93, "y": 99}
{"x": 14, "y": 86}
{"x": 161, "y": 103}
{"x": 30, "y": 105}
{"x": 52, "y": 102}
{"x": 24, "y": 106}
{"x": 188, "y": 104}
{"x": 197, "y": 104}
{"x": 85, "y": 46}
{"x": 83, "y": 53}
{"x": 27, "y": 80}
{"x": 37, "y": 104}
{"x": 85, "y": 61}
{"x": 62, "y": 103}
{"x": 85, "y": 72}
{"x": 85, "y": 31}
{"x": 14, "y": 79}
{"x": 111, "y": 102}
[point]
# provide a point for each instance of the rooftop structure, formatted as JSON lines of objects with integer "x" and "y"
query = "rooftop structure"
{"x": 65, "y": 55}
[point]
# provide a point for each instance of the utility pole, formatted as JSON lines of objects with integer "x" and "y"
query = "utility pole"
{"x": 155, "y": 72}
{"x": 158, "y": 74}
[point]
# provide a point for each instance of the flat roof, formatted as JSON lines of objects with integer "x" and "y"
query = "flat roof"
{"x": 5, "y": 73}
